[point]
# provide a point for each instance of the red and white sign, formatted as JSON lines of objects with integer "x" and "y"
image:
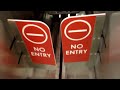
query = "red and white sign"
{"x": 37, "y": 38}
{"x": 77, "y": 33}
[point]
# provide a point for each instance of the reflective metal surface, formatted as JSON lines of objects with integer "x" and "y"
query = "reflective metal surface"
{"x": 105, "y": 65}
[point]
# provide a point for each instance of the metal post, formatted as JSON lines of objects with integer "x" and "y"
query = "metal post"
{"x": 61, "y": 54}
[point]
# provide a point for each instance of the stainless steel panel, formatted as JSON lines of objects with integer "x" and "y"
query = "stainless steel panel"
{"x": 84, "y": 70}
{"x": 26, "y": 61}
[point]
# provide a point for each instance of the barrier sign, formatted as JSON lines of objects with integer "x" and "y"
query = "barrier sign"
{"x": 37, "y": 38}
{"x": 77, "y": 33}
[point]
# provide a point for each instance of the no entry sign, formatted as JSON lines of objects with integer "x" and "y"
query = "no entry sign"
{"x": 37, "y": 38}
{"x": 77, "y": 33}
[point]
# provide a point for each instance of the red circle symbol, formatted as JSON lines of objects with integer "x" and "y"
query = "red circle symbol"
{"x": 77, "y": 30}
{"x": 34, "y": 34}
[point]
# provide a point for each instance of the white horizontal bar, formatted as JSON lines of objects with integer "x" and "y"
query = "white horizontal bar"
{"x": 32, "y": 34}
{"x": 82, "y": 30}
